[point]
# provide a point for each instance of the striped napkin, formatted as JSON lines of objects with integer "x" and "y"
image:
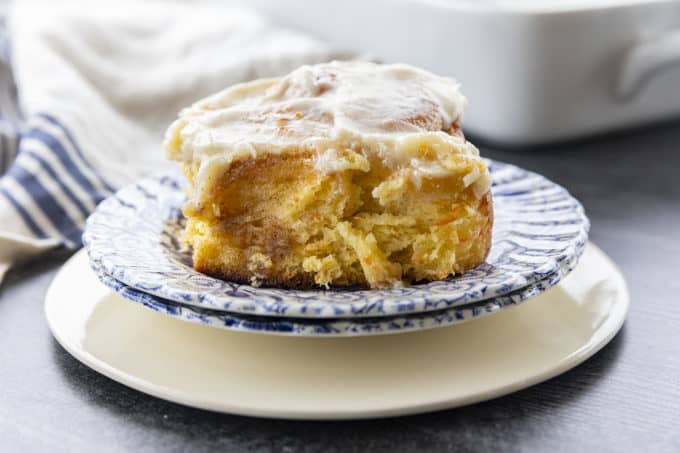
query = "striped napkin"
{"x": 86, "y": 93}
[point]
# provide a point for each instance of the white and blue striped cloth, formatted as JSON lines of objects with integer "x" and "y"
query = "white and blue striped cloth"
{"x": 86, "y": 93}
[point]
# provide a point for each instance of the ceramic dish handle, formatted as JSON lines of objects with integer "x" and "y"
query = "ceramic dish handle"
{"x": 645, "y": 60}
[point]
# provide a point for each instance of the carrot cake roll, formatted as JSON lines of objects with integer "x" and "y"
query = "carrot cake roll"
{"x": 338, "y": 174}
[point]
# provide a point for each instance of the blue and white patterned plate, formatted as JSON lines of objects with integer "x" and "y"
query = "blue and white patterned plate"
{"x": 399, "y": 323}
{"x": 134, "y": 237}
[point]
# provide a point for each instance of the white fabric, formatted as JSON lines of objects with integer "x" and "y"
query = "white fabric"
{"x": 116, "y": 73}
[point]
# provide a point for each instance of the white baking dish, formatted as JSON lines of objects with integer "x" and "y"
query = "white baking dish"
{"x": 534, "y": 71}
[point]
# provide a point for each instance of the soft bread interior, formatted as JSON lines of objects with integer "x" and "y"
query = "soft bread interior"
{"x": 277, "y": 220}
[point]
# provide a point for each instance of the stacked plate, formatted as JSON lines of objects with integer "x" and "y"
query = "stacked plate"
{"x": 133, "y": 244}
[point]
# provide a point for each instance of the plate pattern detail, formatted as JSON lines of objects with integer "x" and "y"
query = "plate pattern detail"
{"x": 133, "y": 238}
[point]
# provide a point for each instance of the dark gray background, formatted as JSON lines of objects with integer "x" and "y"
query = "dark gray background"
{"x": 626, "y": 398}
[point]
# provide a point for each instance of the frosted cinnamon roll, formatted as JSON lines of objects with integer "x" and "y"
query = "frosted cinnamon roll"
{"x": 338, "y": 174}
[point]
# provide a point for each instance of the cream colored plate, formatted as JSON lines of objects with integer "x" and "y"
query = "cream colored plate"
{"x": 324, "y": 378}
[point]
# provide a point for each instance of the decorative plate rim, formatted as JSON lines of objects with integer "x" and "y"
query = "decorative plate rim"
{"x": 336, "y": 327}
{"x": 536, "y": 193}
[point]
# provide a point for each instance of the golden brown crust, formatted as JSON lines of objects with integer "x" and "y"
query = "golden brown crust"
{"x": 299, "y": 281}
{"x": 486, "y": 237}
{"x": 303, "y": 280}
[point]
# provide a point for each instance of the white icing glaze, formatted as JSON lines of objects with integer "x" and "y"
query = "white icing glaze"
{"x": 390, "y": 110}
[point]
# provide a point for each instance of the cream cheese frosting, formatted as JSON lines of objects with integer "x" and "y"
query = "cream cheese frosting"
{"x": 388, "y": 110}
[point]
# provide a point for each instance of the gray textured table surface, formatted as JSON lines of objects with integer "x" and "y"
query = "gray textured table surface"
{"x": 626, "y": 398}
